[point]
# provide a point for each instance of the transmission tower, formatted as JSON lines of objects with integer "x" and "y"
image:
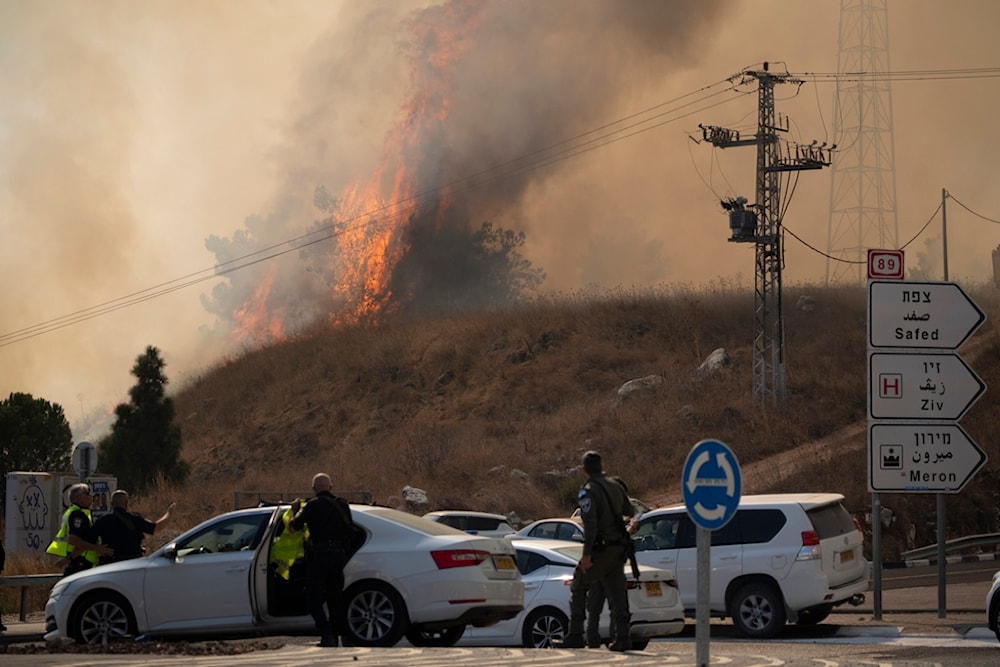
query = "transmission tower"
{"x": 863, "y": 192}
{"x": 760, "y": 223}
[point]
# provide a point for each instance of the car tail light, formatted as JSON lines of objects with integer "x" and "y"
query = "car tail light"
{"x": 810, "y": 546}
{"x": 857, "y": 524}
{"x": 632, "y": 585}
{"x": 448, "y": 558}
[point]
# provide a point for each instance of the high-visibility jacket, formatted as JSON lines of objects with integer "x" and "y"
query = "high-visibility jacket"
{"x": 61, "y": 547}
{"x": 288, "y": 548}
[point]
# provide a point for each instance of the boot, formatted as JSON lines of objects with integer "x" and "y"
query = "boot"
{"x": 327, "y": 641}
{"x": 620, "y": 646}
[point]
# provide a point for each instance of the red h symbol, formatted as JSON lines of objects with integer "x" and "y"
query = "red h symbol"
{"x": 890, "y": 385}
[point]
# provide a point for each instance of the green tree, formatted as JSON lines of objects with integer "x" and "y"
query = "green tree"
{"x": 144, "y": 443}
{"x": 34, "y": 437}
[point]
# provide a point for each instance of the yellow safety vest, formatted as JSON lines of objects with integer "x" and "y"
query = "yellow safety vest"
{"x": 60, "y": 546}
{"x": 288, "y": 548}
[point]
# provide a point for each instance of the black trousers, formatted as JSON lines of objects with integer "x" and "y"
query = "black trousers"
{"x": 325, "y": 585}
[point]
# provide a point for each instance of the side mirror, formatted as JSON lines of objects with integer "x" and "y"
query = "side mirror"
{"x": 170, "y": 552}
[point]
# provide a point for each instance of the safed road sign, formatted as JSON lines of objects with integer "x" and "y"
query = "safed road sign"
{"x": 920, "y": 315}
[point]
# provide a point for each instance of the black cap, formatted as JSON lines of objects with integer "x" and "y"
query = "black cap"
{"x": 592, "y": 462}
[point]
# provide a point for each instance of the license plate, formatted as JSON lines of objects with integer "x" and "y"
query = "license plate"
{"x": 653, "y": 589}
{"x": 503, "y": 562}
{"x": 846, "y": 556}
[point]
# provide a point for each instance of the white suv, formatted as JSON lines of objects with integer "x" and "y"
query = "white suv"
{"x": 781, "y": 557}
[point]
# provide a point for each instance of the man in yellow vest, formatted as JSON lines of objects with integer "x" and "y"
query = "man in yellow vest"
{"x": 74, "y": 542}
{"x": 287, "y": 561}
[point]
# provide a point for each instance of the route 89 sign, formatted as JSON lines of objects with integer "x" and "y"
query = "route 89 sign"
{"x": 712, "y": 484}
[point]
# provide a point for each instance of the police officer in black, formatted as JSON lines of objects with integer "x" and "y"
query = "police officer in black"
{"x": 328, "y": 519}
{"x": 124, "y": 531}
{"x": 603, "y": 503}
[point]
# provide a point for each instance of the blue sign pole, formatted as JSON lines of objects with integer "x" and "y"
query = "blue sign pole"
{"x": 712, "y": 485}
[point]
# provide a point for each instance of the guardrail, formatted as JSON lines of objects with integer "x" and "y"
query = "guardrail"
{"x": 958, "y": 544}
{"x": 24, "y": 581}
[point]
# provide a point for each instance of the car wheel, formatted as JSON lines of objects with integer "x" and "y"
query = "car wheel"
{"x": 437, "y": 638}
{"x": 102, "y": 618}
{"x": 544, "y": 626}
{"x": 815, "y": 615}
{"x": 376, "y": 614}
{"x": 640, "y": 644}
{"x": 758, "y": 611}
{"x": 995, "y": 610}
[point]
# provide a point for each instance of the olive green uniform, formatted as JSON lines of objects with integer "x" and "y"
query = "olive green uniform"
{"x": 603, "y": 503}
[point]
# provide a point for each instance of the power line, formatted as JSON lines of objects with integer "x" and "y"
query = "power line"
{"x": 618, "y": 130}
{"x": 978, "y": 215}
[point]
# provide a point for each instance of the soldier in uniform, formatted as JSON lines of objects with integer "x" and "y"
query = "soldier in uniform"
{"x": 328, "y": 519}
{"x": 595, "y": 596}
{"x": 603, "y": 503}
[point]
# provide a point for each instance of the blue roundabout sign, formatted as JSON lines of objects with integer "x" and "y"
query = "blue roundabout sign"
{"x": 712, "y": 484}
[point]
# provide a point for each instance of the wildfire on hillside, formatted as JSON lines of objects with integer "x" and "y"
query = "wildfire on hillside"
{"x": 372, "y": 216}
{"x": 447, "y": 132}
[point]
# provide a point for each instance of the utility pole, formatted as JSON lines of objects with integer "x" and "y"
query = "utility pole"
{"x": 863, "y": 210}
{"x": 760, "y": 223}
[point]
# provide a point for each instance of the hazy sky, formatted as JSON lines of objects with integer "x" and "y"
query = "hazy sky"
{"x": 131, "y": 132}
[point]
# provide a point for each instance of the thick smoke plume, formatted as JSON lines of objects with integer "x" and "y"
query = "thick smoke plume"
{"x": 472, "y": 86}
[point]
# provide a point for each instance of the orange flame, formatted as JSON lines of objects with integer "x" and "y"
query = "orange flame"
{"x": 255, "y": 321}
{"x": 379, "y": 213}
{"x": 372, "y": 219}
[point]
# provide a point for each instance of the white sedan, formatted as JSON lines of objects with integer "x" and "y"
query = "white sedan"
{"x": 546, "y": 568}
{"x": 993, "y": 605}
{"x": 407, "y": 577}
{"x": 551, "y": 529}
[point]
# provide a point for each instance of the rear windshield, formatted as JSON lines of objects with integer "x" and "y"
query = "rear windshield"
{"x": 831, "y": 520}
{"x": 479, "y": 523}
{"x": 419, "y": 523}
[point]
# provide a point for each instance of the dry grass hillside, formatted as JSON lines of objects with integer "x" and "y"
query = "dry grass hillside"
{"x": 492, "y": 411}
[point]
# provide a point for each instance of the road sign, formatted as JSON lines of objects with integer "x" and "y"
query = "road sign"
{"x": 885, "y": 265}
{"x": 84, "y": 460}
{"x": 920, "y": 315}
{"x": 712, "y": 484}
{"x": 922, "y": 458}
{"x": 911, "y": 385}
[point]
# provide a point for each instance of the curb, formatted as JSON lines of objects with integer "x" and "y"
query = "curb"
{"x": 868, "y": 631}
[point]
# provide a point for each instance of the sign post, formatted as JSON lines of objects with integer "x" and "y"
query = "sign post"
{"x": 712, "y": 485}
{"x": 918, "y": 389}
{"x": 84, "y": 460}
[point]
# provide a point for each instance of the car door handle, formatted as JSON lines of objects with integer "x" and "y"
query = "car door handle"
{"x": 236, "y": 568}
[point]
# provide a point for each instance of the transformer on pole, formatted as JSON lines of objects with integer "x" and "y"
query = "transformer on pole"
{"x": 760, "y": 223}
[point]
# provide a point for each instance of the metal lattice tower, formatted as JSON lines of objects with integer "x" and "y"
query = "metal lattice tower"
{"x": 863, "y": 191}
{"x": 760, "y": 224}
